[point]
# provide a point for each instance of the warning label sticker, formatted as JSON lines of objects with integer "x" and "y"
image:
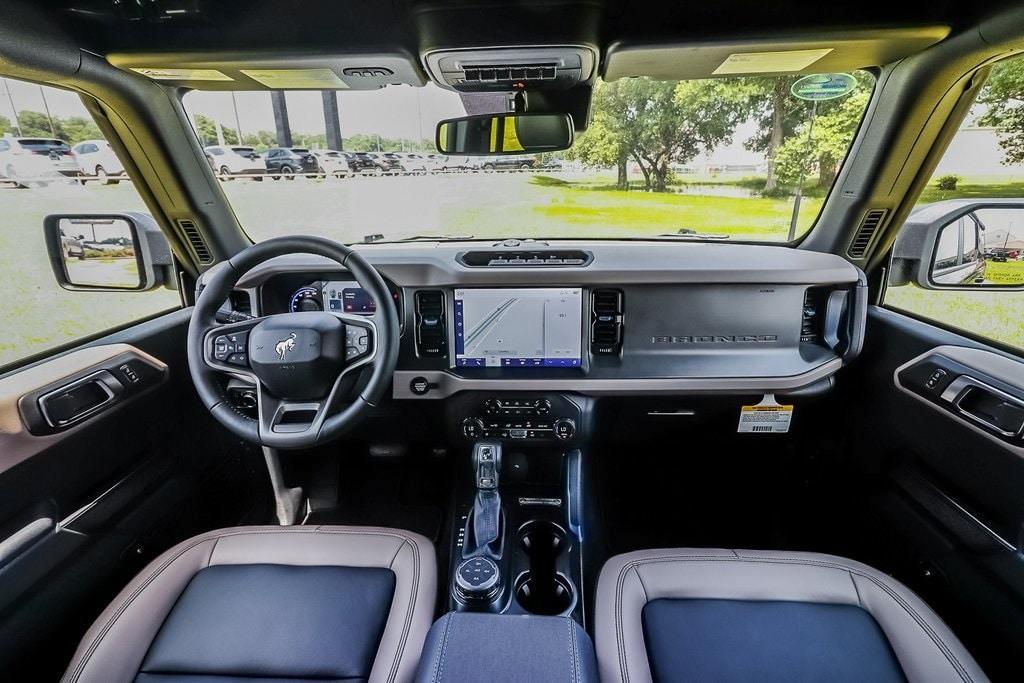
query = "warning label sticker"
{"x": 296, "y": 79}
{"x": 767, "y": 417}
{"x": 184, "y": 74}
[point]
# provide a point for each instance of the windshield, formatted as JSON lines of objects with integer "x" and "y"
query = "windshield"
{"x": 729, "y": 158}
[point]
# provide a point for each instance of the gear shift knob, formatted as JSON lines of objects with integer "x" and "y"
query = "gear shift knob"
{"x": 487, "y": 464}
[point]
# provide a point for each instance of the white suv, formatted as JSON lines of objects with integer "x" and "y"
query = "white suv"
{"x": 228, "y": 161}
{"x": 96, "y": 159}
{"x": 35, "y": 160}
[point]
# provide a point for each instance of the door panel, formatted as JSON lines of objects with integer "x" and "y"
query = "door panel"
{"x": 952, "y": 507}
{"x": 82, "y": 508}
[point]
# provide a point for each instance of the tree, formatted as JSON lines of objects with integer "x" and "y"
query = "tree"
{"x": 658, "y": 123}
{"x": 1003, "y": 95}
{"x": 823, "y": 149}
{"x": 34, "y": 124}
{"x": 777, "y": 114}
{"x": 75, "y": 129}
{"x": 610, "y": 136}
{"x": 5, "y": 125}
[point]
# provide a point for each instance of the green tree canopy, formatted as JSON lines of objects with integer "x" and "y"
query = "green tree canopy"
{"x": 1003, "y": 95}
{"x": 658, "y": 123}
{"x": 822, "y": 150}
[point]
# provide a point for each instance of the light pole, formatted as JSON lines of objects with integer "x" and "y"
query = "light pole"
{"x": 10, "y": 98}
{"x": 46, "y": 108}
{"x": 803, "y": 173}
{"x": 238, "y": 121}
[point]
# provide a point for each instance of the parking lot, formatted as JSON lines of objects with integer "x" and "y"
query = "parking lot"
{"x": 351, "y": 209}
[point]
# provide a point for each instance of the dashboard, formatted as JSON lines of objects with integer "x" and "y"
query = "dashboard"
{"x": 592, "y": 317}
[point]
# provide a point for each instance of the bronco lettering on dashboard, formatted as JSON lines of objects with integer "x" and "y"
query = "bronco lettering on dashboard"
{"x": 716, "y": 339}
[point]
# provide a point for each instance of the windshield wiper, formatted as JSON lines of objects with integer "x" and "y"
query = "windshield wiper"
{"x": 370, "y": 239}
{"x": 691, "y": 234}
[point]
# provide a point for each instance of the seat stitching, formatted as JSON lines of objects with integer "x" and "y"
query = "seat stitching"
{"x": 410, "y": 610}
{"x": 572, "y": 659}
{"x": 574, "y": 636}
{"x": 444, "y": 648}
{"x": 199, "y": 540}
{"x": 438, "y": 652}
{"x": 936, "y": 639}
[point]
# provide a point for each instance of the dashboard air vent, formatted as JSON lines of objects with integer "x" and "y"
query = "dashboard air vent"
{"x": 606, "y": 309}
{"x": 431, "y": 331}
{"x": 196, "y": 240}
{"x": 812, "y": 319}
{"x": 869, "y": 226}
{"x": 531, "y": 258}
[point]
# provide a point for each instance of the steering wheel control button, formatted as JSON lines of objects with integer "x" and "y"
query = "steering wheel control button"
{"x": 477, "y": 578}
{"x": 240, "y": 359}
{"x": 357, "y": 342}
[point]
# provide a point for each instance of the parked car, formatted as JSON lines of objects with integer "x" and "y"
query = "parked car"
{"x": 73, "y": 247}
{"x": 334, "y": 163}
{"x": 507, "y": 163}
{"x": 96, "y": 159}
{"x": 38, "y": 160}
{"x": 459, "y": 163}
{"x": 385, "y": 162}
{"x": 410, "y": 162}
{"x": 289, "y": 161}
{"x": 228, "y": 162}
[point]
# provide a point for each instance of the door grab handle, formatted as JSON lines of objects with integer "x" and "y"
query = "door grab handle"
{"x": 958, "y": 390}
{"x": 66, "y": 416}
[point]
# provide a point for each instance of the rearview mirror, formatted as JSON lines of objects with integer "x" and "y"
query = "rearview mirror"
{"x": 108, "y": 252}
{"x": 958, "y": 244}
{"x": 504, "y": 134}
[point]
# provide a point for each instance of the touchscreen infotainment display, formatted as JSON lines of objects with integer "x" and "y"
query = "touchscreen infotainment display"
{"x": 519, "y": 327}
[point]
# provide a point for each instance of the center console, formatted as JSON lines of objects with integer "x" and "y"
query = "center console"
{"x": 517, "y": 549}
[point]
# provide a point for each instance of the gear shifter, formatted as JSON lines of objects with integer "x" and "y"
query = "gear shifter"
{"x": 486, "y": 516}
{"x": 477, "y": 578}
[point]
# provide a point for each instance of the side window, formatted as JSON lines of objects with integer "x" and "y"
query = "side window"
{"x": 36, "y": 314}
{"x": 982, "y": 172}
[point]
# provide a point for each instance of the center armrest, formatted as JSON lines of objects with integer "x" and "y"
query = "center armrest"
{"x": 468, "y": 646}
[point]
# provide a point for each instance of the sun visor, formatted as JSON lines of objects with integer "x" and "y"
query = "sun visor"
{"x": 820, "y": 52}
{"x": 255, "y": 71}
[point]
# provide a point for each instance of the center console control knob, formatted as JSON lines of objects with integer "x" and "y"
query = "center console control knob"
{"x": 473, "y": 427}
{"x": 477, "y": 578}
{"x": 565, "y": 429}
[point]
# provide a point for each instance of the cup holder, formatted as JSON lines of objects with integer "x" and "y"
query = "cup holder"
{"x": 542, "y": 590}
{"x": 545, "y": 597}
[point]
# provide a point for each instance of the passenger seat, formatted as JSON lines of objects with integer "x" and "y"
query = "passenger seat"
{"x": 753, "y": 615}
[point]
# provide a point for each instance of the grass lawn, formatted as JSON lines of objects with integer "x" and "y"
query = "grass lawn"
{"x": 36, "y": 314}
{"x": 996, "y": 315}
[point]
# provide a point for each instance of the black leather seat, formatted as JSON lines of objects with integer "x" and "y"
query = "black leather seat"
{"x": 749, "y": 615}
{"x": 269, "y": 603}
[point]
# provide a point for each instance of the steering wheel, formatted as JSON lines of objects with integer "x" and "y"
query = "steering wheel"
{"x": 305, "y": 365}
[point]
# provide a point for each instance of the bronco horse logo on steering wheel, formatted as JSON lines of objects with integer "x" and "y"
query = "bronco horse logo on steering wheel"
{"x": 285, "y": 345}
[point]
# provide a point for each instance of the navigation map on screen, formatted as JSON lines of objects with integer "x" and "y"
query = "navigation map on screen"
{"x": 518, "y": 327}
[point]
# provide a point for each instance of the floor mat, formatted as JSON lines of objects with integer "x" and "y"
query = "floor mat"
{"x": 405, "y": 494}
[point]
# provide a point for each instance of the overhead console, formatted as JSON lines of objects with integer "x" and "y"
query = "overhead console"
{"x": 510, "y": 69}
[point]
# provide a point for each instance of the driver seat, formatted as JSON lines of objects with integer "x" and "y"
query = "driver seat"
{"x": 269, "y": 603}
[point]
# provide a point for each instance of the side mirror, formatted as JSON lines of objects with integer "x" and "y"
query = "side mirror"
{"x": 504, "y": 134}
{"x": 108, "y": 252}
{"x": 962, "y": 244}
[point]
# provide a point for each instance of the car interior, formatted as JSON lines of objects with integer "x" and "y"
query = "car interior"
{"x": 454, "y": 440}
